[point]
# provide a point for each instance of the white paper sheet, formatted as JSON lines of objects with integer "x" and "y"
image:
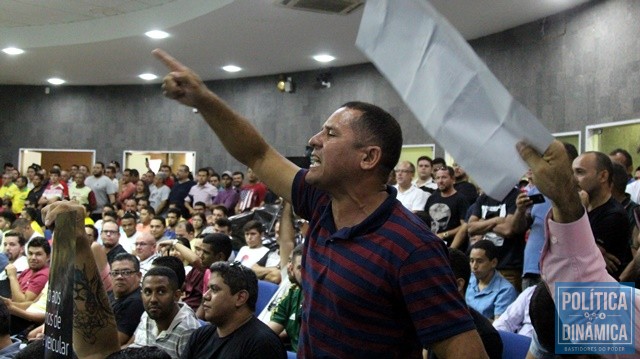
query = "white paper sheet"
{"x": 458, "y": 101}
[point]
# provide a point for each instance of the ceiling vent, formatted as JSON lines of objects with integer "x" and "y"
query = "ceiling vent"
{"x": 340, "y": 7}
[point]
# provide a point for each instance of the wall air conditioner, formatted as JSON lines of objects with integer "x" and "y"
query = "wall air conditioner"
{"x": 340, "y": 7}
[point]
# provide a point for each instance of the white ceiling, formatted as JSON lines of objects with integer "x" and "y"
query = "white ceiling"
{"x": 100, "y": 42}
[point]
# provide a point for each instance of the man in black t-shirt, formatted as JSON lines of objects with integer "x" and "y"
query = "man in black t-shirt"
{"x": 125, "y": 298}
{"x": 492, "y": 219}
{"x": 446, "y": 208}
{"x": 229, "y": 304}
{"x": 593, "y": 172}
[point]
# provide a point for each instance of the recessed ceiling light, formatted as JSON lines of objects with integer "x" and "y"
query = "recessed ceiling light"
{"x": 157, "y": 34}
{"x": 12, "y": 51}
{"x": 231, "y": 68}
{"x": 148, "y": 77}
{"x": 324, "y": 58}
{"x": 56, "y": 81}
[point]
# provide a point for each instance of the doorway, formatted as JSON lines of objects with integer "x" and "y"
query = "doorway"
{"x": 46, "y": 158}
{"x": 136, "y": 159}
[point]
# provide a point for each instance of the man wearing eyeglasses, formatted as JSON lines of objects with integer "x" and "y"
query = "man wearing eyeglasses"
{"x": 146, "y": 250}
{"x": 125, "y": 298}
{"x": 409, "y": 194}
{"x": 110, "y": 236}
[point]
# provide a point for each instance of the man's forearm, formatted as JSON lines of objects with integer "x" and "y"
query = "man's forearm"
{"x": 230, "y": 127}
{"x": 16, "y": 293}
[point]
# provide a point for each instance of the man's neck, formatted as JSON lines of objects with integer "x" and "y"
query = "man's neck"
{"x": 483, "y": 283}
{"x": 242, "y": 317}
{"x": 598, "y": 199}
{"x": 351, "y": 209}
{"x": 448, "y": 192}
{"x": 164, "y": 323}
{"x": 5, "y": 341}
{"x": 422, "y": 181}
{"x": 405, "y": 187}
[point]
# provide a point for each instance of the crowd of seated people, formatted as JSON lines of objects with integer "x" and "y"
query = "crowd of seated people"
{"x": 136, "y": 221}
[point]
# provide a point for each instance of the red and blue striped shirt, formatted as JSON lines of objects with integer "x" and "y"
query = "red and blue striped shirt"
{"x": 382, "y": 288}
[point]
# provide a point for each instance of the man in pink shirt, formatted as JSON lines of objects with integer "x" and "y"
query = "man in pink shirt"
{"x": 26, "y": 286}
{"x": 570, "y": 253}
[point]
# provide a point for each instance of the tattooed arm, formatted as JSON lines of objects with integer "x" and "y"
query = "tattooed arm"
{"x": 94, "y": 326}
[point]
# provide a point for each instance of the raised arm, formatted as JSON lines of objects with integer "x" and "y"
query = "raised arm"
{"x": 238, "y": 136}
{"x": 94, "y": 326}
{"x": 553, "y": 176}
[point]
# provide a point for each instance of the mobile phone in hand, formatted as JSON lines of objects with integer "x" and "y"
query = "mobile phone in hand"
{"x": 537, "y": 198}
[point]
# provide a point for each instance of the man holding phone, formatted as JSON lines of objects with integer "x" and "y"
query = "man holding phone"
{"x": 531, "y": 211}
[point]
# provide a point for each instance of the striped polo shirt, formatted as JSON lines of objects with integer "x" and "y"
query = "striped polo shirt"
{"x": 383, "y": 288}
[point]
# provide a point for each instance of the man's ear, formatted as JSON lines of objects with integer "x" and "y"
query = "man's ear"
{"x": 460, "y": 282}
{"x": 371, "y": 156}
{"x": 241, "y": 298}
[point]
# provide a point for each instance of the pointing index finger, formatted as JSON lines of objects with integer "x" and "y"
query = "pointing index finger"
{"x": 168, "y": 60}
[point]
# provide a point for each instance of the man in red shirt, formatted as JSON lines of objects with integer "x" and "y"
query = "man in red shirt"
{"x": 26, "y": 286}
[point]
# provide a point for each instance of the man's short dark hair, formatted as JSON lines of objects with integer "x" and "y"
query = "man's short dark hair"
{"x": 460, "y": 266}
{"x": 253, "y": 224}
{"x": 5, "y": 320}
{"x": 438, "y": 161}
{"x": 159, "y": 218}
{"x": 603, "y": 163}
{"x": 163, "y": 271}
{"x": 94, "y": 230}
{"x": 376, "y": 126}
{"x": 223, "y": 222}
{"x": 220, "y": 243}
{"x": 490, "y": 249}
{"x": 134, "y": 173}
{"x": 112, "y": 214}
{"x": 297, "y": 252}
{"x": 128, "y": 257}
{"x": 449, "y": 170}
{"x": 221, "y": 208}
{"x": 238, "y": 277}
{"x": 21, "y": 240}
{"x": 628, "y": 160}
{"x": 173, "y": 263}
{"x": 175, "y": 211}
{"x": 238, "y": 173}
{"x": 54, "y": 171}
{"x": 200, "y": 203}
{"x": 146, "y": 352}
{"x": 150, "y": 210}
{"x": 572, "y": 152}
{"x": 620, "y": 178}
{"x": 8, "y": 216}
{"x": 203, "y": 169}
{"x": 187, "y": 226}
{"x": 31, "y": 212}
{"x": 40, "y": 242}
{"x": 424, "y": 158}
{"x": 129, "y": 215}
{"x": 35, "y": 349}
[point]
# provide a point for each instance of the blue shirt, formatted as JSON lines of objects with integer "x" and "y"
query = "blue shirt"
{"x": 492, "y": 300}
{"x": 533, "y": 247}
{"x": 10, "y": 351}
